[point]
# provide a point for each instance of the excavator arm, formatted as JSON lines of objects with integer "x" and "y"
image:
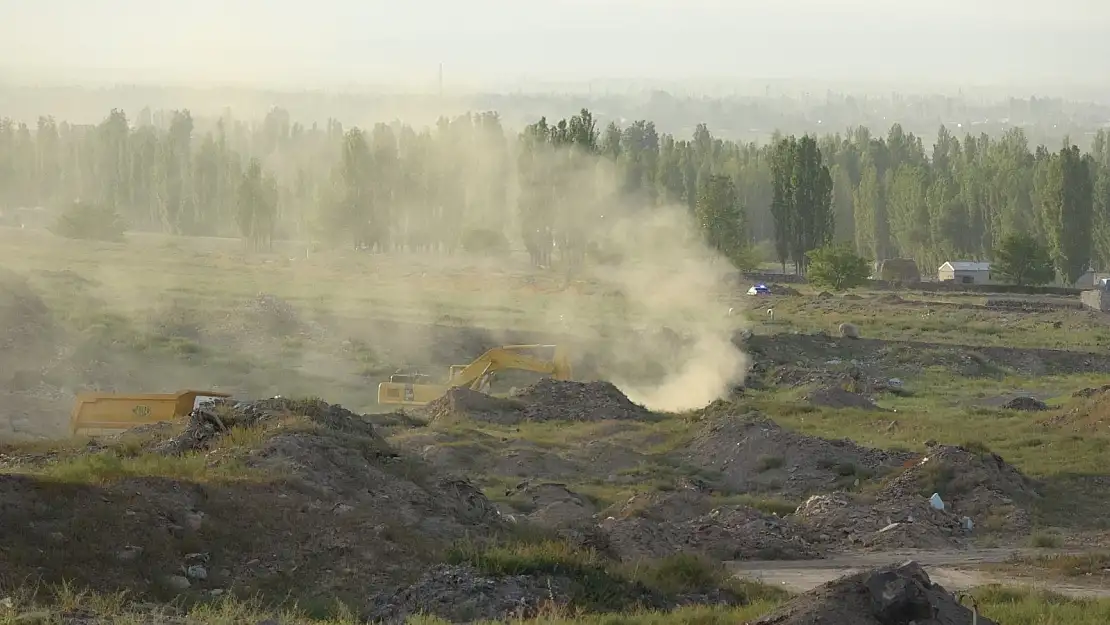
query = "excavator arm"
{"x": 476, "y": 374}
{"x": 510, "y": 357}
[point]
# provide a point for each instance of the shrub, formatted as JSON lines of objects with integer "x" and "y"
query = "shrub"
{"x": 486, "y": 242}
{"x": 82, "y": 220}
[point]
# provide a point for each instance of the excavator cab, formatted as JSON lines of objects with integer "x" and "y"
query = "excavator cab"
{"x": 478, "y": 374}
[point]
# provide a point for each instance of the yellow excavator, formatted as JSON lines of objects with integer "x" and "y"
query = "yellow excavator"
{"x": 415, "y": 389}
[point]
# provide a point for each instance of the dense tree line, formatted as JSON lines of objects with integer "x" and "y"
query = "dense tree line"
{"x": 393, "y": 186}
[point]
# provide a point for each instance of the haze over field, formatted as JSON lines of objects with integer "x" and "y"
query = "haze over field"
{"x": 495, "y": 44}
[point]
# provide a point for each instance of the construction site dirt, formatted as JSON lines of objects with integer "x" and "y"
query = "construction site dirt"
{"x": 820, "y": 463}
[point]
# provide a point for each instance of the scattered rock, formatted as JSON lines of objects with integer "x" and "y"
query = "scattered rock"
{"x": 177, "y": 582}
{"x": 848, "y": 331}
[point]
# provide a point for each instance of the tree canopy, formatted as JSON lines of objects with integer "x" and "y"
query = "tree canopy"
{"x": 1022, "y": 260}
{"x": 838, "y": 267}
{"x": 549, "y": 187}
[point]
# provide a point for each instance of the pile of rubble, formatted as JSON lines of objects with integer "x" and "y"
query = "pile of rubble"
{"x": 753, "y": 453}
{"x": 1026, "y": 404}
{"x": 686, "y": 521}
{"x": 461, "y": 402}
{"x": 844, "y": 520}
{"x": 555, "y": 400}
{"x": 894, "y": 595}
{"x": 975, "y": 484}
{"x": 460, "y": 593}
{"x": 546, "y": 400}
{"x": 970, "y": 487}
{"x": 551, "y": 504}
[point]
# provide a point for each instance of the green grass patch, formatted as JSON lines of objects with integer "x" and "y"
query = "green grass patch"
{"x": 601, "y": 585}
{"x": 1035, "y": 607}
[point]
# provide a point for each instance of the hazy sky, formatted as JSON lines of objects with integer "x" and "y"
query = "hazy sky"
{"x": 350, "y": 41}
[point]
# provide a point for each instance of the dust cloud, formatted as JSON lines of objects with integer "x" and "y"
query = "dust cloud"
{"x": 158, "y": 313}
{"x": 670, "y": 280}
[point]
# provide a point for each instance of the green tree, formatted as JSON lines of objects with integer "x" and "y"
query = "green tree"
{"x": 1021, "y": 259}
{"x": 801, "y": 204}
{"x": 722, "y": 219}
{"x": 256, "y": 207}
{"x": 837, "y": 267}
{"x": 82, "y": 220}
{"x": 1067, "y": 207}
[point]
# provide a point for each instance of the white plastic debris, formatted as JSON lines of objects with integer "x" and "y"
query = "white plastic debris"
{"x": 967, "y": 523}
{"x": 936, "y": 502}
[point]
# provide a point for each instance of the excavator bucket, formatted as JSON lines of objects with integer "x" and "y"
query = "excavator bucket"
{"x": 96, "y": 414}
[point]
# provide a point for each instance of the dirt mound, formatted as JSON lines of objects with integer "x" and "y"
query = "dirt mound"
{"x": 464, "y": 593}
{"x": 461, "y": 402}
{"x": 259, "y": 323}
{"x": 802, "y": 359}
{"x": 1091, "y": 392}
{"x": 782, "y": 289}
{"x": 277, "y": 497}
{"x": 976, "y": 484}
{"x": 1089, "y": 411}
{"x": 551, "y": 504}
{"x": 837, "y": 397}
{"x": 894, "y": 595}
{"x": 555, "y": 400}
{"x": 1028, "y": 404}
{"x": 461, "y": 594}
{"x": 844, "y": 520}
{"x": 664, "y": 524}
{"x": 753, "y": 453}
{"x": 27, "y": 330}
{"x": 276, "y": 314}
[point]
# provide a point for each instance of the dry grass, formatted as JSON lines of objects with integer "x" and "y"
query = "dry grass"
{"x": 45, "y": 605}
{"x": 1094, "y": 565}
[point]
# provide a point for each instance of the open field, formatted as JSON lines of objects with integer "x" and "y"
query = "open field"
{"x": 508, "y": 498}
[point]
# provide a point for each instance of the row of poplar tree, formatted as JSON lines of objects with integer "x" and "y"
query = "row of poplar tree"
{"x": 394, "y": 186}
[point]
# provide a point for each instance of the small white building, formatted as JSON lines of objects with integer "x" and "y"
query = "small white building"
{"x": 1089, "y": 280}
{"x": 965, "y": 272}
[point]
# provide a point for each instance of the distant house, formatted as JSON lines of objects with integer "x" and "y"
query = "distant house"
{"x": 965, "y": 272}
{"x": 1089, "y": 280}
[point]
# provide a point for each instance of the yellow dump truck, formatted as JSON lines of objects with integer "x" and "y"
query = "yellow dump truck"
{"x": 96, "y": 414}
{"x": 417, "y": 389}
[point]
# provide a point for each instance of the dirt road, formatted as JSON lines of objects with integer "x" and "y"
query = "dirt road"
{"x": 955, "y": 570}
